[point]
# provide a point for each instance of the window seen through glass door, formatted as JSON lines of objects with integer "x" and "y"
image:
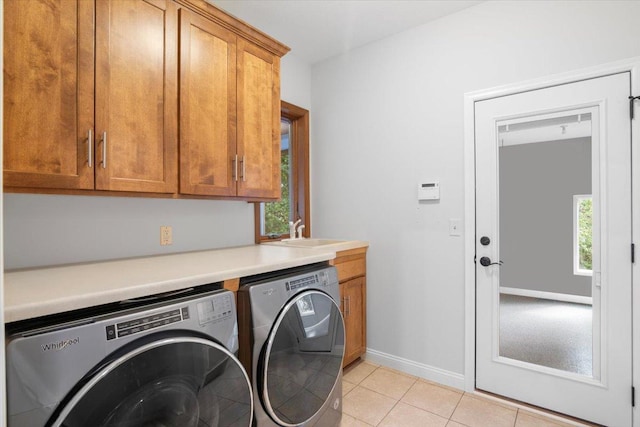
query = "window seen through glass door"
{"x": 583, "y": 235}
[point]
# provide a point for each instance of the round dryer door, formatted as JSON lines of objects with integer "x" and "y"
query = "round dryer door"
{"x": 176, "y": 381}
{"x": 302, "y": 359}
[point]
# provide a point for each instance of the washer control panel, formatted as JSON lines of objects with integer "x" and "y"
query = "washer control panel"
{"x": 214, "y": 309}
{"x": 145, "y": 323}
{"x": 207, "y": 310}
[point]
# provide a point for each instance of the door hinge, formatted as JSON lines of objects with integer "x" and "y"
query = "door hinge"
{"x": 633, "y": 396}
{"x": 631, "y": 105}
{"x": 633, "y": 253}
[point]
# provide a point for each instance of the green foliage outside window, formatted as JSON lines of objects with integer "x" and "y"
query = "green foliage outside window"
{"x": 585, "y": 215}
{"x": 276, "y": 214}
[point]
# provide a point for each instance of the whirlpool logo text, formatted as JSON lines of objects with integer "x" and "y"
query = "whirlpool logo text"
{"x": 60, "y": 345}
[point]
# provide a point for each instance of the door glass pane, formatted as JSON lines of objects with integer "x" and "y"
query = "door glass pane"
{"x": 179, "y": 384}
{"x": 275, "y": 216}
{"x": 547, "y": 204}
{"x": 305, "y": 358}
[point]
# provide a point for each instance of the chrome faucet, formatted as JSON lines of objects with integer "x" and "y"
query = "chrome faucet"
{"x": 299, "y": 232}
{"x": 292, "y": 228}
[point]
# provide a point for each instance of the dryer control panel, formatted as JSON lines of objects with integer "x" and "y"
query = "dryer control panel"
{"x": 320, "y": 278}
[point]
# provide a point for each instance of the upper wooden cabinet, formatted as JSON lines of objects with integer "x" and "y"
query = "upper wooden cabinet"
{"x": 136, "y": 96}
{"x": 79, "y": 117}
{"x": 207, "y": 107}
{"x": 258, "y": 122}
{"x": 48, "y": 93}
{"x": 229, "y": 113}
{"x": 65, "y": 130}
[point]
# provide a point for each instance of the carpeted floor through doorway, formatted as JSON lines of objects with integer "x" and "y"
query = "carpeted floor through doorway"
{"x": 550, "y": 333}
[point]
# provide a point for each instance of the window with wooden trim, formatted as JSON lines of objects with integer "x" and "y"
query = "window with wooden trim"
{"x": 272, "y": 218}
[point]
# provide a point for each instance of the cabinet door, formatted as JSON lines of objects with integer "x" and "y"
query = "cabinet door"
{"x": 353, "y": 294}
{"x": 48, "y": 93}
{"x": 258, "y": 122}
{"x": 207, "y": 107}
{"x": 136, "y": 96}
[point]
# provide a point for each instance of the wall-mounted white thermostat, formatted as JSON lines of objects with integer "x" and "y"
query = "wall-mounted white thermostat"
{"x": 429, "y": 190}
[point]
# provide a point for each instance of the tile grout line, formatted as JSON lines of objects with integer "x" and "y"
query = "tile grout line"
{"x": 367, "y": 376}
{"x": 417, "y": 380}
{"x": 454, "y": 409}
{"x": 397, "y": 401}
{"x": 394, "y": 405}
{"x": 387, "y": 414}
{"x": 373, "y": 391}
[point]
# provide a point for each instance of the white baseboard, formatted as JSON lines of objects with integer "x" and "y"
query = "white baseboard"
{"x": 547, "y": 295}
{"x": 421, "y": 370}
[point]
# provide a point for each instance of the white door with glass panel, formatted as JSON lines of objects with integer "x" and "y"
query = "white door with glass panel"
{"x": 553, "y": 248}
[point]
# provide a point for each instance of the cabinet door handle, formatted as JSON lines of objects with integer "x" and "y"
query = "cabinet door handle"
{"x": 243, "y": 170}
{"x": 235, "y": 168}
{"x": 104, "y": 150}
{"x": 348, "y": 306}
{"x": 90, "y": 148}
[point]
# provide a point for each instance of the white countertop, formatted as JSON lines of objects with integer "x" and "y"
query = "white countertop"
{"x": 335, "y": 245}
{"x": 42, "y": 291}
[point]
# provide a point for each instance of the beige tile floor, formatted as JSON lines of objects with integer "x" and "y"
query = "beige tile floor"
{"x": 378, "y": 396}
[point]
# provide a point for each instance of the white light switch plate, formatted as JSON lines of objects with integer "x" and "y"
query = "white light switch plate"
{"x": 455, "y": 227}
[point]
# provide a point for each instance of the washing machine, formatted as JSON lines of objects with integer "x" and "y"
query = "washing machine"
{"x": 292, "y": 343}
{"x": 167, "y": 361}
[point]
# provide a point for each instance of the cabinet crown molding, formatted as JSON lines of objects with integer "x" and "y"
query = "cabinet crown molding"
{"x": 235, "y": 25}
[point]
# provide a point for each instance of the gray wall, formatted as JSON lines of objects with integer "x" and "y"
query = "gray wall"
{"x": 46, "y": 230}
{"x": 537, "y": 185}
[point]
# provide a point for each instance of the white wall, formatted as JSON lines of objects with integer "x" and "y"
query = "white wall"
{"x": 295, "y": 86}
{"x": 46, "y": 230}
{"x": 390, "y": 114}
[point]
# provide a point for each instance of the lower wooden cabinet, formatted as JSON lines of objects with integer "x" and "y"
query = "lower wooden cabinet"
{"x": 353, "y": 296}
{"x": 351, "y": 267}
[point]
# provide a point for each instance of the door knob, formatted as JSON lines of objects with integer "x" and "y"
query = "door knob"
{"x": 484, "y": 240}
{"x": 486, "y": 262}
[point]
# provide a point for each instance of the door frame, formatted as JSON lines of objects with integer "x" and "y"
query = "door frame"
{"x": 631, "y": 65}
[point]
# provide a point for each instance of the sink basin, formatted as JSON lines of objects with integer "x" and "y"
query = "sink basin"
{"x": 309, "y": 243}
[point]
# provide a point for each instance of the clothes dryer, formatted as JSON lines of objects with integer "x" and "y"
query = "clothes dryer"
{"x": 168, "y": 362}
{"x": 292, "y": 342}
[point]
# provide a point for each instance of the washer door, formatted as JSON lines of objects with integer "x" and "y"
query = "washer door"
{"x": 178, "y": 381}
{"x": 302, "y": 359}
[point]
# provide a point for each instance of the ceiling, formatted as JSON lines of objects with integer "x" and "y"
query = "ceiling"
{"x": 319, "y": 29}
